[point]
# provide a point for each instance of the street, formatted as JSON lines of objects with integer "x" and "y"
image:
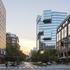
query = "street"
{"x": 29, "y": 66}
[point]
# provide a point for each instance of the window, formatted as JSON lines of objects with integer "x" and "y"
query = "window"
{"x": 57, "y": 38}
{"x": 13, "y": 41}
{"x": 69, "y": 29}
{"x": 64, "y": 32}
{"x": 47, "y": 21}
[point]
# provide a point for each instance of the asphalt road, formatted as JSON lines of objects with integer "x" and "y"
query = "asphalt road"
{"x": 29, "y": 66}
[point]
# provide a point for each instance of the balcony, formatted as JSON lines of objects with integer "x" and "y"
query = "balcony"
{"x": 46, "y": 38}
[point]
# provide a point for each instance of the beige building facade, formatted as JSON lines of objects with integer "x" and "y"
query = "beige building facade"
{"x": 63, "y": 38}
{"x": 2, "y": 28}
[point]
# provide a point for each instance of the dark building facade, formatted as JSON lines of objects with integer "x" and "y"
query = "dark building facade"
{"x": 11, "y": 39}
{"x": 12, "y": 47}
{"x": 63, "y": 38}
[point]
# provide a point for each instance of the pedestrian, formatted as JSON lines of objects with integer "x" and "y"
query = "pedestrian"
{"x": 6, "y": 64}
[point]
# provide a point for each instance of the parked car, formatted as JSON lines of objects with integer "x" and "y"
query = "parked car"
{"x": 11, "y": 64}
{"x": 49, "y": 63}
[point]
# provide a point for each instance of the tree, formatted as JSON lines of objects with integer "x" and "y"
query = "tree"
{"x": 52, "y": 54}
{"x": 47, "y": 55}
{"x": 34, "y": 56}
{"x": 13, "y": 53}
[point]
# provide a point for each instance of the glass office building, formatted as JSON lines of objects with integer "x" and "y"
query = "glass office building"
{"x": 2, "y": 29}
{"x": 46, "y": 28}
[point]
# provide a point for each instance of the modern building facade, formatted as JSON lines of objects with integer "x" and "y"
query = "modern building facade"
{"x": 12, "y": 47}
{"x": 63, "y": 38}
{"x": 11, "y": 39}
{"x": 2, "y": 29}
{"x": 46, "y": 28}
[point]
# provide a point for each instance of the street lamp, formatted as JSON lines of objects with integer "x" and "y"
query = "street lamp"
{"x": 41, "y": 52}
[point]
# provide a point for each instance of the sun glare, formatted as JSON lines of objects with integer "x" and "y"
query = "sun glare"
{"x": 26, "y": 45}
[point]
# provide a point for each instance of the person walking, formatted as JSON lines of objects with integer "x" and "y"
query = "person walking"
{"x": 6, "y": 64}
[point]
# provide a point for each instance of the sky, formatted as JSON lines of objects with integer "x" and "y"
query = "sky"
{"x": 21, "y": 18}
